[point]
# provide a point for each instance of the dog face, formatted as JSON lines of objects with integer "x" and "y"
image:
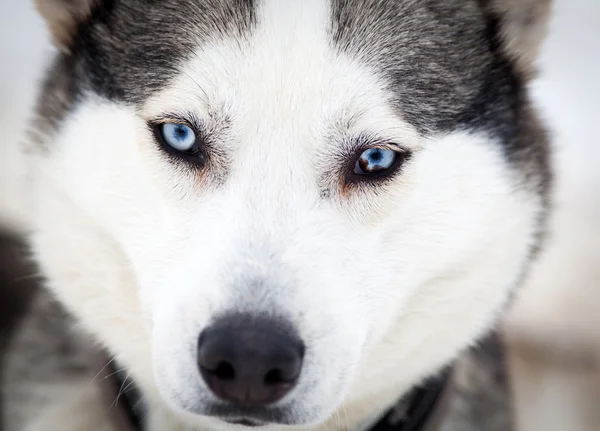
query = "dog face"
{"x": 366, "y": 175}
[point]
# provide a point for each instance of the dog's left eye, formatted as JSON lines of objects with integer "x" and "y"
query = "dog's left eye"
{"x": 178, "y": 136}
{"x": 375, "y": 161}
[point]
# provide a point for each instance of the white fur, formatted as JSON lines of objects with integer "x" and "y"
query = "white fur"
{"x": 384, "y": 284}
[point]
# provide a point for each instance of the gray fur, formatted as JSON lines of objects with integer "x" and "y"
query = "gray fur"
{"x": 445, "y": 64}
{"x": 44, "y": 360}
{"x": 481, "y": 398}
{"x": 126, "y": 50}
{"x": 434, "y": 54}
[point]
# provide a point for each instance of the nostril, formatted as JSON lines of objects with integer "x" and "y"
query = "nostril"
{"x": 224, "y": 371}
{"x": 274, "y": 377}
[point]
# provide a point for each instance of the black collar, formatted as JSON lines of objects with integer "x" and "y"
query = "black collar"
{"x": 420, "y": 410}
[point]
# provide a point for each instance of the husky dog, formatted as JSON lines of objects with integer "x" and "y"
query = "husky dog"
{"x": 284, "y": 213}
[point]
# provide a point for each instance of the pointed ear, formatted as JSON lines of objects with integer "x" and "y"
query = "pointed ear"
{"x": 63, "y": 16}
{"x": 523, "y": 27}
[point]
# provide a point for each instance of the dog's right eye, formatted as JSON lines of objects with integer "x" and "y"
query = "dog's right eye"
{"x": 178, "y": 136}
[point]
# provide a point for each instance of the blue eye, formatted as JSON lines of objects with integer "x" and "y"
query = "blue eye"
{"x": 178, "y": 136}
{"x": 375, "y": 161}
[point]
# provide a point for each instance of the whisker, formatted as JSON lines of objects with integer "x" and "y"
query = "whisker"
{"x": 101, "y": 369}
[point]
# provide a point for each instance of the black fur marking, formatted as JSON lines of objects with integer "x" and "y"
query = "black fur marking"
{"x": 432, "y": 53}
{"x": 445, "y": 65}
{"x": 128, "y": 49}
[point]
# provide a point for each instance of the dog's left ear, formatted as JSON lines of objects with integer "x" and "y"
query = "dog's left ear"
{"x": 63, "y": 16}
{"x": 523, "y": 25}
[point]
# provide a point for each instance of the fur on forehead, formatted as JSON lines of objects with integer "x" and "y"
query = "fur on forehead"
{"x": 521, "y": 23}
{"x": 115, "y": 45}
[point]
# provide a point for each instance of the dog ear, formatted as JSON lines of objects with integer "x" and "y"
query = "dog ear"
{"x": 63, "y": 16}
{"x": 523, "y": 25}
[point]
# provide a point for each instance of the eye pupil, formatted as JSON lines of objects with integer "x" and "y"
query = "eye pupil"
{"x": 376, "y": 155}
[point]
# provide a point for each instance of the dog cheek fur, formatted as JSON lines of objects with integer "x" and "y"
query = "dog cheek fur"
{"x": 94, "y": 212}
{"x": 452, "y": 291}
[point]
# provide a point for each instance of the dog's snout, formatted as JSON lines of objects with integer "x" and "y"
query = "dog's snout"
{"x": 249, "y": 360}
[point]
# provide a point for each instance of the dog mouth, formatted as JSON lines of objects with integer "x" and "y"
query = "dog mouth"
{"x": 245, "y": 422}
{"x": 249, "y": 416}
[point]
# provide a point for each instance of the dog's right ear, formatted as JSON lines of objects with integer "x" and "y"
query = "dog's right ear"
{"x": 63, "y": 16}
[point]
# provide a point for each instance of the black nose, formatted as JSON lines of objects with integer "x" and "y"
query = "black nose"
{"x": 250, "y": 360}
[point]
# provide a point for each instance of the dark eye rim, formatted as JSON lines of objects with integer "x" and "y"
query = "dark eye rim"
{"x": 350, "y": 177}
{"x": 196, "y": 155}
